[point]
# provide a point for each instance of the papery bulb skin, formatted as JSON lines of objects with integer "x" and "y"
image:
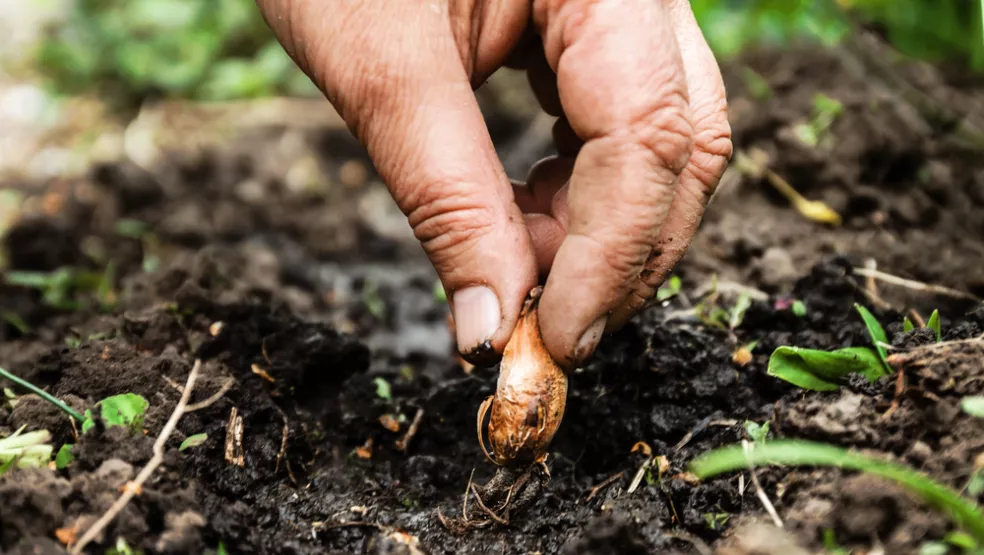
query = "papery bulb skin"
{"x": 530, "y": 398}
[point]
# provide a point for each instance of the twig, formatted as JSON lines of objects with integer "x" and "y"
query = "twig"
{"x": 132, "y": 488}
{"x": 43, "y": 394}
{"x": 607, "y": 482}
{"x": 916, "y": 285}
{"x": 870, "y": 284}
{"x": 404, "y": 442}
{"x": 281, "y": 455}
{"x": 234, "y": 439}
{"x": 211, "y": 400}
{"x": 769, "y": 508}
{"x": 917, "y": 318}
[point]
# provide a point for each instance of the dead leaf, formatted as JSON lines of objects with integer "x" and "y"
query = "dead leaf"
{"x": 262, "y": 373}
{"x": 390, "y": 423}
{"x": 364, "y": 451}
{"x": 742, "y": 356}
{"x": 642, "y": 447}
{"x": 66, "y": 535}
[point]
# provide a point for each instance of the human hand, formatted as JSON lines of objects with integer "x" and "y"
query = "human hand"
{"x": 642, "y": 136}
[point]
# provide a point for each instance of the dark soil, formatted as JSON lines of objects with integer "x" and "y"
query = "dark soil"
{"x": 322, "y": 296}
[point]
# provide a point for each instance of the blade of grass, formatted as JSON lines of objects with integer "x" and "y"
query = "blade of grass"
{"x": 878, "y": 337}
{"x": 43, "y": 394}
{"x": 934, "y": 324}
{"x": 806, "y": 453}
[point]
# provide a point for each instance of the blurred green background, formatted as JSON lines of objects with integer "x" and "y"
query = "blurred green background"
{"x": 128, "y": 50}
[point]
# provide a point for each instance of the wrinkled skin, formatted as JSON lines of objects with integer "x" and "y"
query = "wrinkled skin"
{"x": 642, "y": 140}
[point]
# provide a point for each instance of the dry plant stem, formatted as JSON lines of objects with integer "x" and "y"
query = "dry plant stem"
{"x": 136, "y": 485}
{"x": 404, "y": 443}
{"x": 213, "y": 399}
{"x": 916, "y": 285}
{"x": 769, "y": 508}
{"x": 607, "y": 482}
{"x": 917, "y": 318}
{"x": 234, "y": 439}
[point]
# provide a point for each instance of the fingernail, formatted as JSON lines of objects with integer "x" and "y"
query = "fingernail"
{"x": 592, "y": 336}
{"x": 476, "y": 317}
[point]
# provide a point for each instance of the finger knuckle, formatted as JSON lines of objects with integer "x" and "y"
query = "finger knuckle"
{"x": 448, "y": 219}
{"x": 666, "y": 131}
{"x": 713, "y": 148}
{"x": 623, "y": 258}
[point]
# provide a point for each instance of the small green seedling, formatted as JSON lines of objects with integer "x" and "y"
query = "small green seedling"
{"x": 818, "y": 370}
{"x": 798, "y": 308}
{"x": 64, "y": 457}
{"x": 877, "y": 333}
{"x": 193, "y": 441}
{"x": 934, "y": 324}
{"x": 30, "y": 450}
{"x": 823, "y": 370}
{"x": 125, "y": 410}
{"x": 757, "y": 432}
{"x": 716, "y": 521}
{"x": 831, "y": 545}
{"x": 669, "y": 289}
{"x": 383, "y": 389}
{"x": 61, "y": 287}
{"x": 16, "y": 321}
{"x": 805, "y": 453}
{"x": 122, "y": 548}
{"x": 907, "y": 325}
{"x": 372, "y": 300}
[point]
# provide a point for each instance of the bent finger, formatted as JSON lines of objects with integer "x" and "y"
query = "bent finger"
{"x": 712, "y": 151}
{"x": 622, "y": 87}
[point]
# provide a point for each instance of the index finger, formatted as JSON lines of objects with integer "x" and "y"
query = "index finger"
{"x": 623, "y": 89}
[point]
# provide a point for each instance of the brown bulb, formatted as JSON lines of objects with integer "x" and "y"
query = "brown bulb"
{"x": 530, "y": 396}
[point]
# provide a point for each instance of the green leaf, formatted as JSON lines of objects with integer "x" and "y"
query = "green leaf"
{"x": 4, "y": 467}
{"x": 799, "y": 309}
{"x": 907, "y": 325}
{"x": 877, "y": 333}
{"x": 934, "y": 324}
{"x": 737, "y": 313}
{"x": 960, "y": 539}
{"x": 973, "y": 405}
{"x": 221, "y": 550}
{"x": 88, "y": 422}
{"x": 873, "y": 367}
{"x": 806, "y": 453}
{"x": 758, "y": 432}
{"x": 16, "y": 321}
{"x": 64, "y": 456}
{"x": 193, "y": 441}
{"x": 383, "y": 389}
{"x": 125, "y": 410}
{"x": 9, "y": 393}
{"x": 976, "y": 484}
{"x": 821, "y": 370}
{"x": 669, "y": 289}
